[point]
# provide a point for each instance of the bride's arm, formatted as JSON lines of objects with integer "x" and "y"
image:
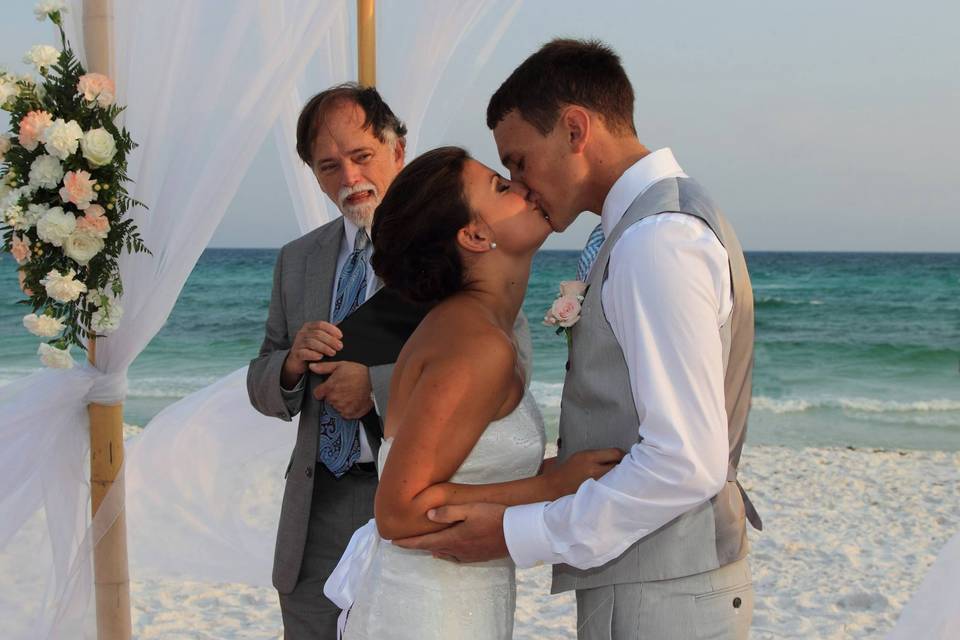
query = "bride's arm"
{"x": 454, "y": 399}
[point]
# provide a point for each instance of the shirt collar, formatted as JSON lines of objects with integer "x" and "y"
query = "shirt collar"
{"x": 646, "y": 171}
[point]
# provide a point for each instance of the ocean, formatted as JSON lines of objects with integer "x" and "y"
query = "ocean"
{"x": 852, "y": 349}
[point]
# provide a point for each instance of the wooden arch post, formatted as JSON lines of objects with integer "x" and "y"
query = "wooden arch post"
{"x": 110, "y": 567}
{"x": 367, "y": 42}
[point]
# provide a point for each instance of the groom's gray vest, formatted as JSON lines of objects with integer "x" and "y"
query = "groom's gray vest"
{"x": 598, "y": 410}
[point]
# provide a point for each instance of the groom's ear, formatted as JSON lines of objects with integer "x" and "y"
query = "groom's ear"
{"x": 575, "y": 123}
{"x": 400, "y": 151}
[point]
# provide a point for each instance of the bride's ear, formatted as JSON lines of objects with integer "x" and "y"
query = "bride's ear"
{"x": 475, "y": 238}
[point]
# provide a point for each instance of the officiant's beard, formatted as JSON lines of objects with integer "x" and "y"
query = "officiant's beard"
{"x": 359, "y": 214}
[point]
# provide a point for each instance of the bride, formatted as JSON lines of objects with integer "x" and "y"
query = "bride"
{"x": 461, "y": 425}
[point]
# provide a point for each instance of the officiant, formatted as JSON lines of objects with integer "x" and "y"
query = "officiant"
{"x": 355, "y": 146}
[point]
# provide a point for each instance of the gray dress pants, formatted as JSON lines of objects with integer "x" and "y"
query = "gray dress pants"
{"x": 715, "y": 605}
{"x": 340, "y": 506}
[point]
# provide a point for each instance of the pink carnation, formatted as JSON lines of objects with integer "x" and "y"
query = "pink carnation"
{"x": 20, "y": 249}
{"x": 78, "y": 189}
{"x": 32, "y": 127}
{"x": 96, "y": 86}
{"x": 94, "y": 221}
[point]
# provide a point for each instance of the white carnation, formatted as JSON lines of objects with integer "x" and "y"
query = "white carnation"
{"x": 55, "y": 226}
{"x": 62, "y": 138}
{"x": 32, "y": 216}
{"x": 106, "y": 319}
{"x": 42, "y": 326}
{"x": 55, "y": 358}
{"x": 48, "y": 7}
{"x": 42, "y": 56}
{"x": 98, "y": 147}
{"x": 13, "y": 215}
{"x": 8, "y": 89}
{"x": 46, "y": 171}
{"x": 63, "y": 287}
{"x": 5, "y": 143}
{"x": 81, "y": 246}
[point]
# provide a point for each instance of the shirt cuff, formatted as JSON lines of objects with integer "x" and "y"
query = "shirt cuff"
{"x": 297, "y": 389}
{"x": 526, "y": 534}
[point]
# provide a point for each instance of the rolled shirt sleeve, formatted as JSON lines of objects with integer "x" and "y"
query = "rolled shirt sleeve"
{"x": 666, "y": 296}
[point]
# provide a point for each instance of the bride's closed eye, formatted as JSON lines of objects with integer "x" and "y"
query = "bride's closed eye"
{"x": 502, "y": 186}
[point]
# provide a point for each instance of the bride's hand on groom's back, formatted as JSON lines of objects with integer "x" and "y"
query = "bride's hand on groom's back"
{"x": 567, "y": 476}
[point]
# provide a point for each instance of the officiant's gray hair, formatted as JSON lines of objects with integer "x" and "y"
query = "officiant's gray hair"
{"x": 385, "y": 126}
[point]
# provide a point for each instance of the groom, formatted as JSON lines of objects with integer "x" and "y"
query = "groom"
{"x": 660, "y": 365}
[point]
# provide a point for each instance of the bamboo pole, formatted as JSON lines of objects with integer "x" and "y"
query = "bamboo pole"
{"x": 110, "y": 567}
{"x": 367, "y": 42}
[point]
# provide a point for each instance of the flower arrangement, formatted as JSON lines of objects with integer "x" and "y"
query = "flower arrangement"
{"x": 565, "y": 310}
{"x": 63, "y": 198}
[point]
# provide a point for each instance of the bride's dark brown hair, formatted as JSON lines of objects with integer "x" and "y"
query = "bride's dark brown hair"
{"x": 415, "y": 227}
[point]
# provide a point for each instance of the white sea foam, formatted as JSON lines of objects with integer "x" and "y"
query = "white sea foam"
{"x": 866, "y": 405}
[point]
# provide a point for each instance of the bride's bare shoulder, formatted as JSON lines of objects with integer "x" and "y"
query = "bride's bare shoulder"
{"x": 456, "y": 333}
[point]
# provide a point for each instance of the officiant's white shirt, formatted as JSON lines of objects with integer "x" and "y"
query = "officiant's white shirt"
{"x": 346, "y": 248}
{"x": 667, "y": 294}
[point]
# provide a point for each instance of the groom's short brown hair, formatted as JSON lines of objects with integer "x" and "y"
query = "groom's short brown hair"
{"x": 564, "y": 72}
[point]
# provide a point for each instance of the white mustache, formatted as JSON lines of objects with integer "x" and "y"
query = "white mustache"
{"x": 346, "y": 192}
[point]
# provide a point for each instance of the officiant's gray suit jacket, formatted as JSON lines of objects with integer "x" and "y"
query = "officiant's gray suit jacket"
{"x": 303, "y": 284}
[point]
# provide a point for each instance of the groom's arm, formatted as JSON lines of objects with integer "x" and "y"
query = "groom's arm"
{"x": 666, "y": 296}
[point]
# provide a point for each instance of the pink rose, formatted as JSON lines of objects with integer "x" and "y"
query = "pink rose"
{"x": 96, "y": 86}
{"x": 564, "y": 312}
{"x": 21, "y": 278}
{"x": 20, "y": 249}
{"x": 32, "y": 127}
{"x": 78, "y": 189}
{"x": 573, "y": 288}
{"x": 94, "y": 221}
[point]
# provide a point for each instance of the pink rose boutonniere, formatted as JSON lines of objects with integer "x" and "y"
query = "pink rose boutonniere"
{"x": 565, "y": 310}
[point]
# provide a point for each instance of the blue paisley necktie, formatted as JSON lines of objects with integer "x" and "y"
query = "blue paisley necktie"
{"x": 339, "y": 445}
{"x": 589, "y": 253}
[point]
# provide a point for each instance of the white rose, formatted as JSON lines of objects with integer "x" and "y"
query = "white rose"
{"x": 5, "y": 143}
{"x": 55, "y": 226}
{"x": 42, "y": 56}
{"x": 13, "y": 216}
{"x": 49, "y": 7}
{"x": 106, "y": 319}
{"x": 62, "y": 138}
{"x": 42, "y": 326}
{"x": 55, "y": 358}
{"x": 98, "y": 147}
{"x": 63, "y": 287}
{"x": 8, "y": 90}
{"x": 82, "y": 246}
{"x": 46, "y": 171}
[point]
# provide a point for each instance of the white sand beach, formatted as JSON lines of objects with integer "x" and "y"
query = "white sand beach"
{"x": 848, "y": 536}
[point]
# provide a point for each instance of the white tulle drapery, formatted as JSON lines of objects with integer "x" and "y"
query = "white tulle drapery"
{"x": 204, "y": 86}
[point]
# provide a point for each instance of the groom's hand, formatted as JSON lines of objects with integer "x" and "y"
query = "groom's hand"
{"x": 476, "y": 533}
{"x": 347, "y": 389}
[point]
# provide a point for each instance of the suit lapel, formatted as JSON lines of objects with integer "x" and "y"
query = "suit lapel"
{"x": 321, "y": 271}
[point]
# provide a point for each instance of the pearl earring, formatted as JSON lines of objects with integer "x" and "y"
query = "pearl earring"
{"x": 493, "y": 245}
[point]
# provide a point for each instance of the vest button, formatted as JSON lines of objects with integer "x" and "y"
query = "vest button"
{"x": 567, "y": 365}
{"x": 559, "y": 443}
{"x": 309, "y": 472}
{"x": 737, "y": 602}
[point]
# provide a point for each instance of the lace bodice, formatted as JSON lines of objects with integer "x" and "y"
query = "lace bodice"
{"x": 410, "y": 594}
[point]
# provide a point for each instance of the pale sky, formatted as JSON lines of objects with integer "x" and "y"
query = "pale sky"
{"x": 819, "y": 125}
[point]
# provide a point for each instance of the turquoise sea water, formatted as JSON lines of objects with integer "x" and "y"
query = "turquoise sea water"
{"x": 852, "y": 349}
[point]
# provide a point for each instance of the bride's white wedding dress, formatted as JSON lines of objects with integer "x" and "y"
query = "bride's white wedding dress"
{"x": 409, "y": 594}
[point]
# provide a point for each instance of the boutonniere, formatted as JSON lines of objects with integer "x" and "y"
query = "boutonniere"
{"x": 565, "y": 310}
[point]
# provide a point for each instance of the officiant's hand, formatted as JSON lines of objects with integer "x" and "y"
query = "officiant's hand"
{"x": 476, "y": 533}
{"x": 313, "y": 341}
{"x": 348, "y": 389}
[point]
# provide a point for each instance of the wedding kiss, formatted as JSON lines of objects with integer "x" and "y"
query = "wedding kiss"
{"x": 640, "y": 512}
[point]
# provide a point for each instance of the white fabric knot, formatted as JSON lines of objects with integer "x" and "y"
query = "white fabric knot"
{"x": 105, "y": 388}
{"x": 344, "y": 583}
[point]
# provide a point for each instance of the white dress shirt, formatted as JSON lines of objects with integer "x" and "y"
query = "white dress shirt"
{"x": 346, "y": 248}
{"x": 666, "y": 296}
